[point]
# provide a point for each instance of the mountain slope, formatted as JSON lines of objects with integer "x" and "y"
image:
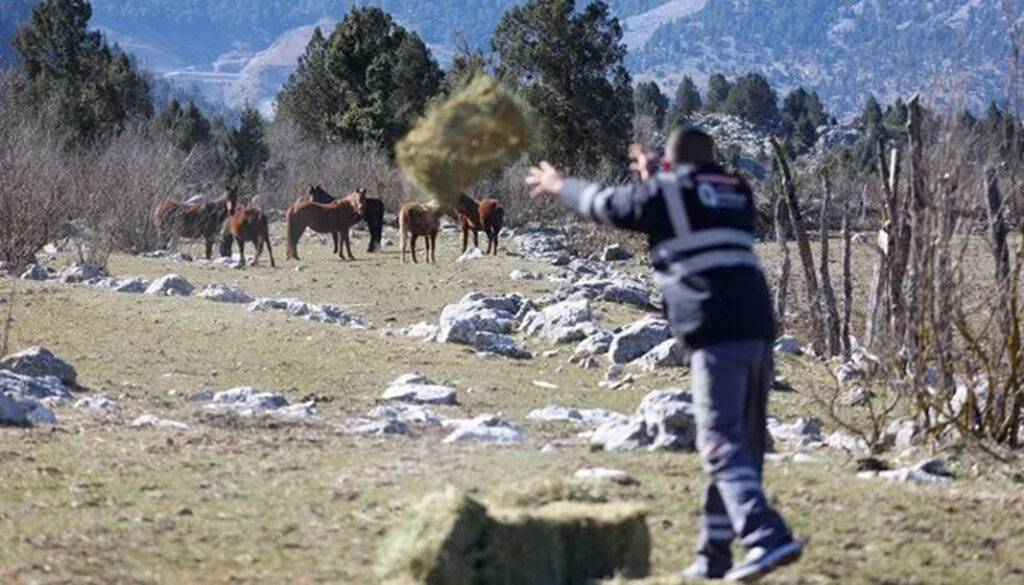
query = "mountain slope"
{"x": 233, "y": 50}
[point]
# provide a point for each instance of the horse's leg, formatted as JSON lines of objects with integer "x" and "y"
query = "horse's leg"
{"x": 209, "y": 247}
{"x": 433, "y": 247}
{"x": 241, "y": 252}
{"x": 476, "y": 238}
{"x": 465, "y": 238}
{"x": 348, "y": 244}
{"x": 270, "y": 250}
{"x": 337, "y": 242}
{"x": 401, "y": 241}
{"x": 258, "y": 242}
{"x": 412, "y": 248}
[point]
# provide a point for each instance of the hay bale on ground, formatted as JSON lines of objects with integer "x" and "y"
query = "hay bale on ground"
{"x": 454, "y": 540}
{"x": 477, "y": 131}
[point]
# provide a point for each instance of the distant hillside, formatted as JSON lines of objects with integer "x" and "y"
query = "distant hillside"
{"x": 841, "y": 48}
{"x": 233, "y": 50}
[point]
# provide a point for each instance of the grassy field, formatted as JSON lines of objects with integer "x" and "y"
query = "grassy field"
{"x": 267, "y": 501}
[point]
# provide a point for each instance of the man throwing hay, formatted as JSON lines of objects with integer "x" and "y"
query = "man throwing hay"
{"x": 700, "y": 222}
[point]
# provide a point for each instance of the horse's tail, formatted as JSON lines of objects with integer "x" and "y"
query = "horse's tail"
{"x": 291, "y": 229}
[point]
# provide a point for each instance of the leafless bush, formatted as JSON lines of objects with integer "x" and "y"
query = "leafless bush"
{"x": 296, "y": 161}
{"x": 33, "y": 184}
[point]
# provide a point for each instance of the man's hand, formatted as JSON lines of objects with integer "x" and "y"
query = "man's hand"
{"x": 545, "y": 180}
{"x": 642, "y": 160}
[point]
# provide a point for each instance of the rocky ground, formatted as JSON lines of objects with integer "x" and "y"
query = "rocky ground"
{"x": 179, "y": 420}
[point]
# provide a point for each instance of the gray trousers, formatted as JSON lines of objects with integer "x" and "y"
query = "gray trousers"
{"x": 730, "y": 393}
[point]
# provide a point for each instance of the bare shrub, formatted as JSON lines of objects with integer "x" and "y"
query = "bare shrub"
{"x": 297, "y": 161}
{"x": 33, "y": 184}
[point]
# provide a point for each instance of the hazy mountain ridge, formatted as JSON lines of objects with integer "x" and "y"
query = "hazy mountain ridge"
{"x": 841, "y": 48}
{"x": 233, "y": 50}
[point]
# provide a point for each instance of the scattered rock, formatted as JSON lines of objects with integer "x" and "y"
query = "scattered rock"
{"x": 21, "y": 399}
{"x": 845, "y": 441}
{"x": 616, "y": 289}
{"x": 39, "y": 362}
{"x": 545, "y": 385}
{"x": 664, "y": 420}
{"x": 417, "y": 389}
{"x": 604, "y": 474}
{"x": 479, "y": 313}
{"x": 171, "y": 285}
{"x": 588, "y": 417}
{"x": 901, "y": 433}
{"x": 929, "y": 471}
{"x": 596, "y": 344}
{"x": 423, "y": 330}
{"x": 562, "y": 322}
{"x": 201, "y": 396}
{"x": 129, "y": 285}
{"x": 20, "y": 410}
{"x": 152, "y": 421}
{"x": 48, "y": 389}
{"x": 169, "y": 255}
{"x": 487, "y": 428}
{"x": 614, "y": 373}
{"x": 322, "y": 313}
{"x": 668, "y": 354}
{"x": 497, "y": 344}
{"x": 98, "y": 402}
{"x": 80, "y": 273}
{"x": 380, "y": 427}
{"x": 35, "y": 272}
{"x": 248, "y": 401}
{"x": 615, "y": 253}
{"x": 638, "y": 339}
{"x": 407, "y": 413}
{"x": 804, "y": 431}
{"x": 525, "y": 275}
{"x": 787, "y": 344}
{"x": 471, "y": 254}
{"x": 225, "y": 294}
{"x": 540, "y": 242}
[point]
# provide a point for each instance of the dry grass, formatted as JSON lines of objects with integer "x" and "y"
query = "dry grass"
{"x": 229, "y": 500}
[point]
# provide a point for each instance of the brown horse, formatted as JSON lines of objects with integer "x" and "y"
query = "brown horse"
{"x": 174, "y": 219}
{"x": 373, "y": 215}
{"x": 417, "y": 219}
{"x": 247, "y": 224}
{"x": 335, "y": 217}
{"x": 472, "y": 216}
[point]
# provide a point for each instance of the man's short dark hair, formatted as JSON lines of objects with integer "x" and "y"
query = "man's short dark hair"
{"x": 690, "y": 145}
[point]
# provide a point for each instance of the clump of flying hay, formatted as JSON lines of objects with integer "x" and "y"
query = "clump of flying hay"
{"x": 476, "y": 131}
{"x": 453, "y": 539}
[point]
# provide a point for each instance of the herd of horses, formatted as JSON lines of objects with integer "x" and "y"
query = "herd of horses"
{"x": 324, "y": 214}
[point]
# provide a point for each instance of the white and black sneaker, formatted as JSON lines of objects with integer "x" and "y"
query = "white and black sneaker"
{"x": 761, "y": 561}
{"x": 700, "y": 571}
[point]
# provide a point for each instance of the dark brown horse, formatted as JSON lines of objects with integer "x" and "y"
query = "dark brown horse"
{"x": 336, "y": 217}
{"x": 247, "y": 224}
{"x": 417, "y": 219}
{"x": 472, "y": 216}
{"x": 373, "y": 215}
{"x": 174, "y": 219}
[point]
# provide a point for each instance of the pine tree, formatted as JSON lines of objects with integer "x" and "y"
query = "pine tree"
{"x": 687, "y": 102}
{"x": 870, "y": 122}
{"x": 649, "y": 101}
{"x": 75, "y": 82}
{"x": 368, "y": 82}
{"x": 718, "y": 90}
{"x": 753, "y": 99}
{"x": 575, "y": 80}
{"x": 802, "y": 115}
{"x": 246, "y": 150}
